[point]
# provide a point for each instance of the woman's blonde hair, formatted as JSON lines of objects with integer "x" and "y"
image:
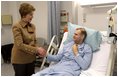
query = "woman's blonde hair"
{"x": 25, "y": 9}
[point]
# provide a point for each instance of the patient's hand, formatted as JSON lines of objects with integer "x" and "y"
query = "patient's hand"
{"x": 41, "y": 52}
{"x": 75, "y": 49}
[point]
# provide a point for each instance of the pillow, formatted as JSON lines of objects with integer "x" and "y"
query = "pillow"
{"x": 93, "y": 37}
{"x": 104, "y": 36}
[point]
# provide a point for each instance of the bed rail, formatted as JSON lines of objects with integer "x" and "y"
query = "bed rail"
{"x": 52, "y": 49}
{"x": 112, "y": 58}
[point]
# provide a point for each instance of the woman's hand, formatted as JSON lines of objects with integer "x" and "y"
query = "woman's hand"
{"x": 41, "y": 52}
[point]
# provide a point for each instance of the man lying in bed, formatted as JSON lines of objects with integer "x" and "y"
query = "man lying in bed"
{"x": 76, "y": 56}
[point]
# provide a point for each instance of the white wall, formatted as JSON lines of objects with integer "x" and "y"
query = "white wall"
{"x": 96, "y": 18}
{"x": 40, "y": 19}
{"x": 8, "y": 8}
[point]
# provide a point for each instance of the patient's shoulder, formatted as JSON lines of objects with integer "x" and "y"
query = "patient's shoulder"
{"x": 87, "y": 47}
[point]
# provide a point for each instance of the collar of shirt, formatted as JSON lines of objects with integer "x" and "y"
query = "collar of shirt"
{"x": 80, "y": 46}
{"x": 22, "y": 23}
{"x": 29, "y": 26}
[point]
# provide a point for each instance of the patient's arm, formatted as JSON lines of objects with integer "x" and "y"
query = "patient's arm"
{"x": 84, "y": 61}
{"x": 57, "y": 57}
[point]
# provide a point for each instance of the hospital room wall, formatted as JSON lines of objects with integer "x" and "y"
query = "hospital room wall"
{"x": 8, "y": 8}
{"x": 96, "y": 18}
{"x": 40, "y": 19}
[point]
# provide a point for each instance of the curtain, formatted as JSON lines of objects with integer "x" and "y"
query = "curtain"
{"x": 53, "y": 19}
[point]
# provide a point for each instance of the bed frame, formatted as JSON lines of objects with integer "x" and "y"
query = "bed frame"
{"x": 52, "y": 49}
{"x": 111, "y": 61}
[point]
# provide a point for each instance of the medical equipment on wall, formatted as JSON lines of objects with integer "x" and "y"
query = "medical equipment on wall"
{"x": 111, "y": 25}
{"x": 115, "y": 37}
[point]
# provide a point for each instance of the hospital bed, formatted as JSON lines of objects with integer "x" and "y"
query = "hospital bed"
{"x": 102, "y": 62}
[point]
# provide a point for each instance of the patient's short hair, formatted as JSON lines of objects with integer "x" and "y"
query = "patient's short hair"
{"x": 83, "y": 32}
{"x": 25, "y": 8}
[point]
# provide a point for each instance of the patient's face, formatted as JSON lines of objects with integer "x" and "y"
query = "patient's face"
{"x": 78, "y": 37}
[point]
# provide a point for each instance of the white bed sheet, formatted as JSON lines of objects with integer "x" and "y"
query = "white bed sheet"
{"x": 99, "y": 62}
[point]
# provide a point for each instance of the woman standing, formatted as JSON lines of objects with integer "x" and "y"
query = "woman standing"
{"x": 24, "y": 50}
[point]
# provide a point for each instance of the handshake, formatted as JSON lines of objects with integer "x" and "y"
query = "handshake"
{"x": 41, "y": 52}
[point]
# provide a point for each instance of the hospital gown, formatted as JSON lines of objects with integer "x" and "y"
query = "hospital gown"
{"x": 68, "y": 64}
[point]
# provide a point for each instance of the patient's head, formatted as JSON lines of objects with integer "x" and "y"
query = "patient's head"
{"x": 79, "y": 35}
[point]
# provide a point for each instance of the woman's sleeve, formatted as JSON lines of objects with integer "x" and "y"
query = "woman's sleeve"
{"x": 18, "y": 41}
